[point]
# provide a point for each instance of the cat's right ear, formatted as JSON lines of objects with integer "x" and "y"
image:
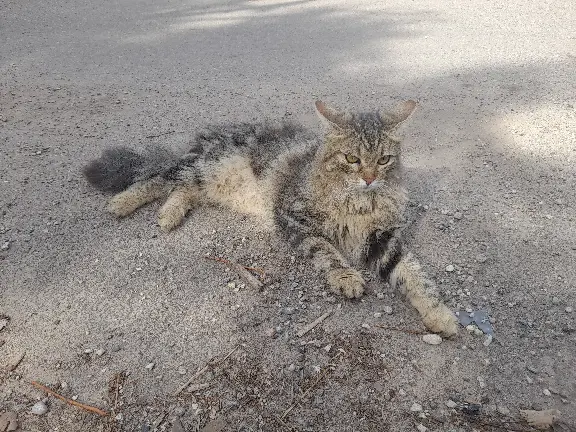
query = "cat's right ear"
{"x": 399, "y": 114}
{"x": 331, "y": 116}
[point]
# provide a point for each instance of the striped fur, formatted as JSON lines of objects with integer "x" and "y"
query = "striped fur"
{"x": 338, "y": 199}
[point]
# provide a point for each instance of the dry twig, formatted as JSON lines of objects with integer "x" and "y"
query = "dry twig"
{"x": 70, "y": 401}
{"x": 202, "y": 371}
{"x": 243, "y": 271}
{"x": 409, "y": 331}
{"x": 312, "y": 386}
{"x": 16, "y": 361}
{"x": 313, "y": 324}
{"x": 160, "y": 134}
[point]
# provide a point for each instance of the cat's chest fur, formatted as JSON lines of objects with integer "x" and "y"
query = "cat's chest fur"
{"x": 351, "y": 222}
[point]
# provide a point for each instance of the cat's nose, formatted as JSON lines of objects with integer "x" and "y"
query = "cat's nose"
{"x": 369, "y": 180}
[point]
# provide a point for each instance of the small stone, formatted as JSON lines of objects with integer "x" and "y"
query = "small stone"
{"x": 421, "y": 427}
{"x": 432, "y": 339}
{"x": 487, "y": 341}
{"x": 271, "y": 332}
{"x": 416, "y": 407}
{"x": 292, "y": 367}
{"x": 100, "y": 352}
{"x": 556, "y": 300}
{"x": 471, "y": 328}
{"x": 377, "y": 314}
{"x": 503, "y": 410}
{"x": 182, "y": 370}
{"x": 547, "y": 392}
{"x": 402, "y": 392}
{"x": 231, "y": 285}
{"x": 388, "y": 310}
{"x": 450, "y": 268}
{"x": 327, "y": 348}
{"x": 481, "y": 258}
{"x": 380, "y": 295}
{"x": 529, "y": 380}
{"x": 366, "y": 326}
{"x": 5, "y": 245}
{"x": 481, "y": 382}
{"x": 478, "y": 332}
{"x": 457, "y": 215}
{"x": 119, "y": 417}
{"x": 569, "y": 310}
{"x": 150, "y": 366}
{"x": 39, "y": 408}
{"x": 451, "y": 404}
{"x": 88, "y": 351}
{"x": 75, "y": 397}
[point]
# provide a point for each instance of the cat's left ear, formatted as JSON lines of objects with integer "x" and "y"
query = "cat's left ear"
{"x": 332, "y": 116}
{"x": 399, "y": 114}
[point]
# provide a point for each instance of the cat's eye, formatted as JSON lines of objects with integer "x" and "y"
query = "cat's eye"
{"x": 384, "y": 160}
{"x": 352, "y": 159}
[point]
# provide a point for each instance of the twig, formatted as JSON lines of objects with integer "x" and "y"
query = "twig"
{"x": 409, "y": 331}
{"x": 312, "y": 386}
{"x": 202, "y": 371}
{"x": 313, "y": 324}
{"x": 70, "y": 401}
{"x": 243, "y": 272}
{"x": 159, "y": 421}
{"x": 232, "y": 263}
{"x": 160, "y": 134}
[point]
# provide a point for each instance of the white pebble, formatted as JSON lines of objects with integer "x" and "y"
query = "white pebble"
{"x": 478, "y": 332}
{"x": 481, "y": 382}
{"x": 327, "y": 348}
{"x": 451, "y": 404}
{"x": 100, "y": 352}
{"x": 421, "y": 427}
{"x": 487, "y": 341}
{"x": 416, "y": 407}
{"x": 150, "y": 366}
{"x": 182, "y": 370}
{"x": 388, "y": 310}
{"x": 450, "y": 268}
{"x": 546, "y": 392}
{"x": 377, "y": 314}
{"x": 366, "y": 326}
{"x": 569, "y": 309}
{"x": 432, "y": 339}
{"x": 39, "y": 408}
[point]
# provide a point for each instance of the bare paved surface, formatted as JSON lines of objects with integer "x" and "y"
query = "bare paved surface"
{"x": 491, "y": 152}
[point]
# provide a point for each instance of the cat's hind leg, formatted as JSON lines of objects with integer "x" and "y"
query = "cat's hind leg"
{"x": 422, "y": 294}
{"x": 138, "y": 194}
{"x": 180, "y": 201}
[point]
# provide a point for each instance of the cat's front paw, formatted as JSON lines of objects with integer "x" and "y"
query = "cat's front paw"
{"x": 440, "y": 319}
{"x": 346, "y": 281}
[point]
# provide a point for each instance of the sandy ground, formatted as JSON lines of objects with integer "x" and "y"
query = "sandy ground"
{"x": 119, "y": 315}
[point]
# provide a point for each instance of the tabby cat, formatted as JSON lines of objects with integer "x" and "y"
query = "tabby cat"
{"x": 338, "y": 199}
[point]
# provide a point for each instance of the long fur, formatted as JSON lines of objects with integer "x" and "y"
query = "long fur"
{"x": 339, "y": 199}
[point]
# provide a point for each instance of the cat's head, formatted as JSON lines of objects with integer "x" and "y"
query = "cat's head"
{"x": 360, "y": 150}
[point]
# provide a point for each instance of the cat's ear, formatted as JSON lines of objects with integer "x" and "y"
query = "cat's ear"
{"x": 399, "y": 114}
{"x": 332, "y": 116}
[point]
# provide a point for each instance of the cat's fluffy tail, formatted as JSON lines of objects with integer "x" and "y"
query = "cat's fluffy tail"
{"x": 120, "y": 167}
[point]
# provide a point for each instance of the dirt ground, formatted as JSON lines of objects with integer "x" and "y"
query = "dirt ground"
{"x": 117, "y": 315}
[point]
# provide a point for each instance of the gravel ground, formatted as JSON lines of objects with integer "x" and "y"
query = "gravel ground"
{"x": 117, "y": 315}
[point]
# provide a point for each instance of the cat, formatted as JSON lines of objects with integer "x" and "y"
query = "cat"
{"x": 339, "y": 199}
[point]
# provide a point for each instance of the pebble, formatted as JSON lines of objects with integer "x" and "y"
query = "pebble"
{"x": 88, "y": 351}
{"x": 327, "y": 348}
{"x": 5, "y": 245}
{"x": 150, "y": 366}
{"x": 100, "y": 352}
{"x": 481, "y": 258}
{"x": 432, "y": 339}
{"x": 529, "y": 380}
{"x": 481, "y": 382}
{"x": 569, "y": 310}
{"x": 182, "y": 370}
{"x": 546, "y": 392}
{"x": 450, "y": 268}
{"x": 377, "y": 314}
{"x": 487, "y": 341}
{"x": 421, "y": 427}
{"x": 556, "y": 300}
{"x": 451, "y": 404}
{"x": 366, "y": 326}
{"x": 39, "y": 408}
{"x": 271, "y": 332}
{"x": 416, "y": 407}
{"x": 119, "y": 417}
{"x": 503, "y": 410}
{"x": 388, "y": 310}
{"x": 457, "y": 215}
